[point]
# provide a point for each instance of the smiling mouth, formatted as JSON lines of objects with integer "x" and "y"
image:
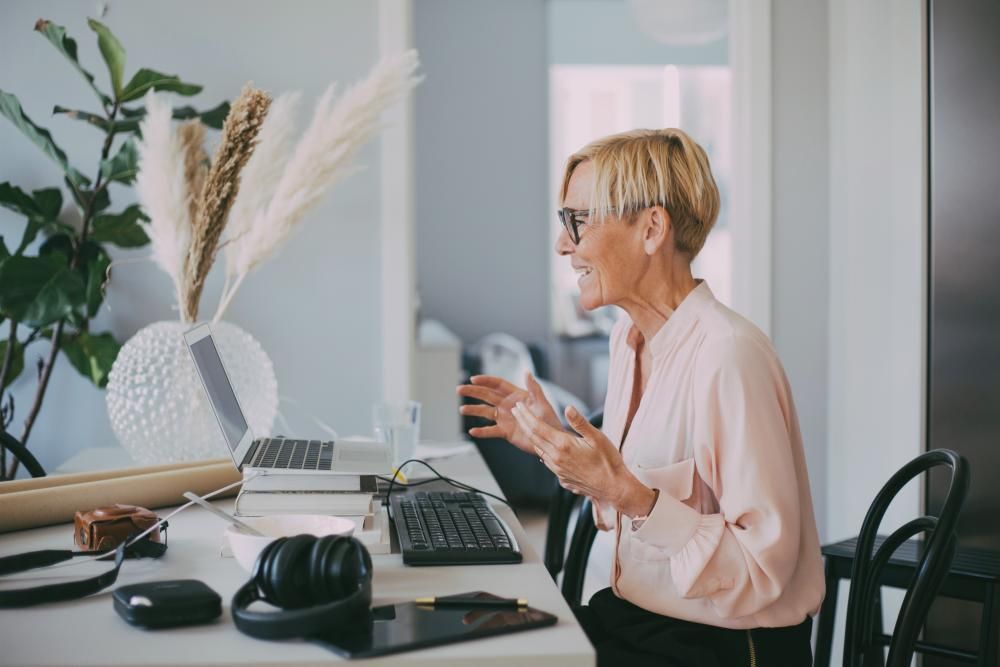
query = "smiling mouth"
{"x": 583, "y": 272}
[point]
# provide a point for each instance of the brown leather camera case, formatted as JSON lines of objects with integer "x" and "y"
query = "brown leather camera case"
{"x": 106, "y": 527}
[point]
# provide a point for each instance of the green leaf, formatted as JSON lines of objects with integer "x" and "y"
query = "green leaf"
{"x": 56, "y": 34}
{"x": 147, "y": 79}
{"x": 113, "y": 52}
{"x": 124, "y": 165}
{"x": 58, "y": 298}
{"x": 100, "y": 122}
{"x": 39, "y": 290}
{"x": 91, "y": 354}
{"x": 213, "y": 117}
{"x": 60, "y": 244}
{"x": 17, "y": 200}
{"x": 122, "y": 229}
{"x": 41, "y": 208}
{"x": 92, "y": 265}
{"x": 4, "y": 253}
{"x": 16, "y": 362}
{"x": 11, "y": 108}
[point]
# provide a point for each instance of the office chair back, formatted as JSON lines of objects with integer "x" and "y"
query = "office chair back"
{"x": 561, "y": 508}
{"x": 938, "y": 551}
{"x": 575, "y": 572}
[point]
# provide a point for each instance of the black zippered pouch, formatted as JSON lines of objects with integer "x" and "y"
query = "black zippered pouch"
{"x": 165, "y": 604}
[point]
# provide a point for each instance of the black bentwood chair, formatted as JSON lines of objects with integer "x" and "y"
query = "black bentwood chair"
{"x": 562, "y": 507}
{"x": 862, "y": 646}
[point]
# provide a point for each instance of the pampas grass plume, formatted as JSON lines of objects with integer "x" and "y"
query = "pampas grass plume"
{"x": 324, "y": 154}
{"x": 239, "y": 136}
{"x": 162, "y": 190}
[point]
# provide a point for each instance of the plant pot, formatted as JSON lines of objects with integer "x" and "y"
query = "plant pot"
{"x": 158, "y": 407}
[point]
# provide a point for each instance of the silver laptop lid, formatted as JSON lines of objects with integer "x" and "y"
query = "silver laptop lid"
{"x": 221, "y": 396}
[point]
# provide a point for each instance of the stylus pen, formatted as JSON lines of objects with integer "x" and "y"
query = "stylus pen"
{"x": 467, "y": 603}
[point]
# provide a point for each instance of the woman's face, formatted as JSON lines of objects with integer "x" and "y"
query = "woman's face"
{"x": 609, "y": 258}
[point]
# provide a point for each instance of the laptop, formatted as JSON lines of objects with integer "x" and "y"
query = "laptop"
{"x": 286, "y": 456}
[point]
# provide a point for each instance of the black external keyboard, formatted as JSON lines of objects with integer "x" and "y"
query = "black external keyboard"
{"x": 451, "y": 528}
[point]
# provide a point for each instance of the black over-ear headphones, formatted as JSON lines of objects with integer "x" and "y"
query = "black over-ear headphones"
{"x": 322, "y": 583}
{"x": 147, "y": 547}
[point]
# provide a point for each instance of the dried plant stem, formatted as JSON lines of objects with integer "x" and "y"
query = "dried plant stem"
{"x": 239, "y": 134}
{"x": 196, "y": 161}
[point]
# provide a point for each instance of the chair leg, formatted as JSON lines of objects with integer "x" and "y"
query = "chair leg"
{"x": 876, "y": 654}
{"x": 827, "y": 616}
{"x": 989, "y": 632}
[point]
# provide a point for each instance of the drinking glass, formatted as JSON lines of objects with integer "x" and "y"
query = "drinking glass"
{"x": 399, "y": 425}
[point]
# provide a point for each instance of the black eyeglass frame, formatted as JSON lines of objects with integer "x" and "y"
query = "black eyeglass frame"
{"x": 570, "y": 219}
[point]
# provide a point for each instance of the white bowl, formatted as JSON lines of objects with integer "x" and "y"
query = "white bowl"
{"x": 247, "y": 547}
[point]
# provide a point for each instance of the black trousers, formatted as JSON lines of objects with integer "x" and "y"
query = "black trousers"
{"x": 624, "y": 634}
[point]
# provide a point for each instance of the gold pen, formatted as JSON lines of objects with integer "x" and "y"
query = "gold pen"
{"x": 468, "y": 603}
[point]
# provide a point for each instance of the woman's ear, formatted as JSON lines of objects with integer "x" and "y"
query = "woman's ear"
{"x": 657, "y": 230}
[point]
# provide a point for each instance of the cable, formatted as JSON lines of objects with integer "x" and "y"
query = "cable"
{"x": 156, "y": 525}
{"x": 449, "y": 480}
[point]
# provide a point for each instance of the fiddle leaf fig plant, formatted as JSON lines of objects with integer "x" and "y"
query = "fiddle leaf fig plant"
{"x": 53, "y": 276}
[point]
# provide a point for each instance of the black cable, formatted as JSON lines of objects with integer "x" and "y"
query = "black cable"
{"x": 449, "y": 480}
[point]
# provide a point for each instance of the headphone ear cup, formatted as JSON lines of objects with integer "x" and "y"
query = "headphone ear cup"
{"x": 319, "y": 565}
{"x": 286, "y": 580}
{"x": 261, "y": 565}
{"x": 353, "y": 566}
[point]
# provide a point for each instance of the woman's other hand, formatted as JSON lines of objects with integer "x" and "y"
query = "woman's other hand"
{"x": 499, "y": 397}
{"x": 588, "y": 464}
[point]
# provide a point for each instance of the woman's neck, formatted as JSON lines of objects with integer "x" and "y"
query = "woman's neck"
{"x": 660, "y": 291}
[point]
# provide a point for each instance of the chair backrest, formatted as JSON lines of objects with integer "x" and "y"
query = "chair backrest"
{"x": 580, "y": 544}
{"x": 561, "y": 509}
{"x": 932, "y": 566}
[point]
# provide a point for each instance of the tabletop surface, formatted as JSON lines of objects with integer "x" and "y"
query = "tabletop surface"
{"x": 89, "y": 632}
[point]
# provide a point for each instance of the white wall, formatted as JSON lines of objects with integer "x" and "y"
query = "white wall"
{"x": 801, "y": 216}
{"x": 877, "y": 248}
{"x": 315, "y": 307}
{"x": 878, "y": 277}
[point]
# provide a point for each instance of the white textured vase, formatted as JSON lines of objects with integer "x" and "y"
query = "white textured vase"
{"x": 158, "y": 407}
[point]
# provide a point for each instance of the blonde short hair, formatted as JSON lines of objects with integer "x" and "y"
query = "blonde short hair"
{"x": 642, "y": 168}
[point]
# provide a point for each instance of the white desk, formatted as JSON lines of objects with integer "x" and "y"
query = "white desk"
{"x": 89, "y": 632}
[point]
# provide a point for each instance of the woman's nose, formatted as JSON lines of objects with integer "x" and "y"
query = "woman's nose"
{"x": 564, "y": 246}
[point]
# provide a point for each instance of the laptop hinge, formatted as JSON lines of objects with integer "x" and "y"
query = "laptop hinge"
{"x": 250, "y": 453}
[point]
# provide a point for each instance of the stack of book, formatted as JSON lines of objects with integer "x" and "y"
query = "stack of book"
{"x": 350, "y": 496}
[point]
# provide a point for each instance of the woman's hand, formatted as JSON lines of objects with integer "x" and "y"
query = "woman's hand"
{"x": 500, "y": 397}
{"x": 586, "y": 465}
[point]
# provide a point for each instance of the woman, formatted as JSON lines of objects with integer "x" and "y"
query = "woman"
{"x": 700, "y": 468}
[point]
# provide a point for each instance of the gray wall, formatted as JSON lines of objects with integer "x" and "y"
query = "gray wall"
{"x": 481, "y": 167}
{"x": 315, "y": 307}
{"x": 801, "y": 219}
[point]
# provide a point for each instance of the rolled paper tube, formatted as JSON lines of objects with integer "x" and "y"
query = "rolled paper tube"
{"x": 163, "y": 486}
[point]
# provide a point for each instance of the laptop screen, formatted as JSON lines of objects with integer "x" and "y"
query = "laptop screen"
{"x": 220, "y": 392}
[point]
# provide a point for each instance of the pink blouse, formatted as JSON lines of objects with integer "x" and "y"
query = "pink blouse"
{"x": 731, "y": 540}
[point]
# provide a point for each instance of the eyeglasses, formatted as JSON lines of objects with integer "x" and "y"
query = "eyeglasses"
{"x": 571, "y": 219}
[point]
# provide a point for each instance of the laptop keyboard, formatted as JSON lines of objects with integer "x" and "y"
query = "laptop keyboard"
{"x": 288, "y": 454}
